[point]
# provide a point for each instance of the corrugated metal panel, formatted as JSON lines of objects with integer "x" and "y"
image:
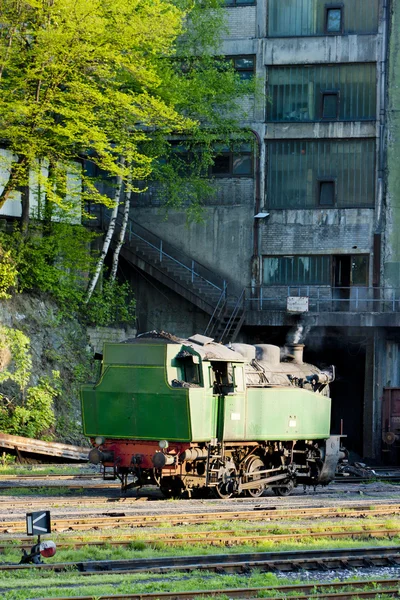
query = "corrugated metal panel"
{"x": 308, "y": 17}
{"x": 298, "y": 93}
{"x": 295, "y": 168}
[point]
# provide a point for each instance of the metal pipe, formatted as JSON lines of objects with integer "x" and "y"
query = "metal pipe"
{"x": 96, "y": 456}
{"x": 193, "y": 454}
{"x": 161, "y": 460}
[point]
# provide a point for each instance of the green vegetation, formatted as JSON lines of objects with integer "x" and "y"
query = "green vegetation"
{"x": 30, "y": 583}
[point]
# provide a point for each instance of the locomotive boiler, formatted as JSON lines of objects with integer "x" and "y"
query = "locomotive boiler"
{"x": 194, "y": 415}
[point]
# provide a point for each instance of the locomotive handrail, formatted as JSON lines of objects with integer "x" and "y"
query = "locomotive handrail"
{"x": 326, "y": 298}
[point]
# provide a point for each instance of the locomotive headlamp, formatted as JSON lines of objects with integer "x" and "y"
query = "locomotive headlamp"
{"x": 163, "y": 444}
{"x": 99, "y": 440}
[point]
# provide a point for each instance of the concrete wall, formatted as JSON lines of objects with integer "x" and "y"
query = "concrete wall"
{"x": 316, "y": 231}
{"x": 223, "y": 241}
{"x": 160, "y": 308}
{"x": 321, "y": 49}
{"x": 98, "y": 336}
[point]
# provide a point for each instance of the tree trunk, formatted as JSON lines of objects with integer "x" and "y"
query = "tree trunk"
{"x": 121, "y": 237}
{"x": 107, "y": 241}
{"x": 48, "y": 204}
{"x": 25, "y": 209}
{"x": 17, "y": 173}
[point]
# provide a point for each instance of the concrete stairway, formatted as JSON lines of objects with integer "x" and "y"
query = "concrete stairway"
{"x": 193, "y": 281}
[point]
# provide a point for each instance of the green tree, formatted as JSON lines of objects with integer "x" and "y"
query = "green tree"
{"x": 82, "y": 78}
{"x": 114, "y": 82}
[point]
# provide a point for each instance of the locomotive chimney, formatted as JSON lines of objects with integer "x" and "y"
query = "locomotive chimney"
{"x": 296, "y": 352}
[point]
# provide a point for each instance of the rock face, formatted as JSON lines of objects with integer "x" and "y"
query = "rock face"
{"x": 57, "y": 343}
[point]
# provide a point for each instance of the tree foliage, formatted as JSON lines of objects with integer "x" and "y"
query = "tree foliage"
{"x": 24, "y": 411}
{"x": 97, "y": 78}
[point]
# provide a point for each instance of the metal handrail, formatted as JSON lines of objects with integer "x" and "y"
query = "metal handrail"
{"x": 239, "y": 305}
{"x": 217, "y": 310}
{"x": 194, "y": 265}
{"x": 326, "y": 298}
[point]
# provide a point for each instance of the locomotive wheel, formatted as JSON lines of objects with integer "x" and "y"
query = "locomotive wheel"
{"x": 284, "y": 490}
{"x": 225, "y": 487}
{"x": 255, "y": 464}
{"x": 170, "y": 487}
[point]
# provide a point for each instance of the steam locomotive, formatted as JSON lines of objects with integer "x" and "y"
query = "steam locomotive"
{"x": 194, "y": 416}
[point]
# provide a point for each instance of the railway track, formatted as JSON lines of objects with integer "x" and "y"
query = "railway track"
{"x": 312, "y": 560}
{"x": 119, "y": 519}
{"x": 343, "y": 590}
{"x": 226, "y": 537}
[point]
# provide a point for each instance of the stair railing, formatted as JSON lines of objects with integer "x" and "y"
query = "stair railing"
{"x": 239, "y": 307}
{"x": 167, "y": 251}
{"x": 217, "y": 314}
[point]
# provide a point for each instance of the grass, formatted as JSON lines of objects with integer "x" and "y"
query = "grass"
{"x": 138, "y": 549}
{"x": 41, "y": 470}
{"x": 42, "y": 491}
{"x": 30, "y": 584}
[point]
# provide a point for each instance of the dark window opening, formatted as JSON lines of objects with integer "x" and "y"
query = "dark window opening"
{"x": 221, "y": 165}
{"x": 333, "y": 19}
{"x": 223, "y": 379}
{"x": 330, "y": 105}
{"x": 244, "y": 66}
{"x": 189, "y": 370}
{"x": 326, "y": 192}
{"x": 238, "y": 2}
{"x": 236, "y": 162}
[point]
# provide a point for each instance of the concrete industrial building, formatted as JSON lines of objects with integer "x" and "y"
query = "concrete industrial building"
{"x": 310, "y": 211}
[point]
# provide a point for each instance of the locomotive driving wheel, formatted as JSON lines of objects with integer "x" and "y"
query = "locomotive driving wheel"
{"x": 284, "y": 490}
{"x": 254, "y": 465}
{"x": 225, "y": 487}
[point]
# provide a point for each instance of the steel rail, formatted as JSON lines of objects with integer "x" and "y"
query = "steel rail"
{"x": 48, "y": 477}
{"x": 265, "y": 561}
{"x": 120, "y": 520}
{"x": 345, "y": 589}
{"x": 213, "y": 538}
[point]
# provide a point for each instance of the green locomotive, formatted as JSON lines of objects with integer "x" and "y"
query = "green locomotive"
{"x": 193, "y": 414}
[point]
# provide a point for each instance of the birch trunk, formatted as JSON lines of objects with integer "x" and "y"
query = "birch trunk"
{"x": 107, "y": 241}
{"x": 17, "y": 173}
{"x": 121, "y": 237}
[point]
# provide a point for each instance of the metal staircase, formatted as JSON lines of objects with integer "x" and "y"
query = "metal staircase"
{"x": 187, "y": 277}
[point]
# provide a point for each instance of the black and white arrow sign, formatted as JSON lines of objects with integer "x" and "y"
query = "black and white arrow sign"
{"x": 38, "y": 523}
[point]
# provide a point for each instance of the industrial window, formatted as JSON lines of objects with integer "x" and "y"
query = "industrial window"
{"x": 289, "y": 18}
{"x": 333, "y": 19}
{"x": 244, "y": 66}
{"x": 322, "y": 92}
{"x": 326, "y": 192}
{"x": 238, "y": 2}
{"x": 236, "y": 162}
{"x": 297, "y": 270}
{"x": 330, "y": 105}
{"x": 296, "y": 168}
